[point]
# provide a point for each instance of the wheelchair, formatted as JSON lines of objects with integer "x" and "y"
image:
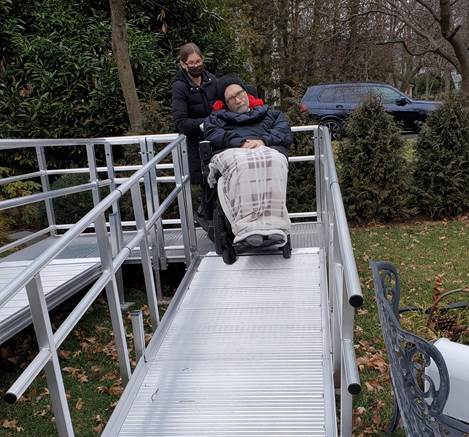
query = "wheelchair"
{"x": 218, "y": 226}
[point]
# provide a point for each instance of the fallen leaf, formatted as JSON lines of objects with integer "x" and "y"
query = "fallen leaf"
{"x": 82, "y": 378}
{"x": 79, "y": 404}
{"x": 11, "y": 424}
{"x": 116, "y": 390}
{"x": 376, "y": 361}
{"x": 64, "y": 354}
{"x": 99, "y": 428}
{"x": 373, "y": 385}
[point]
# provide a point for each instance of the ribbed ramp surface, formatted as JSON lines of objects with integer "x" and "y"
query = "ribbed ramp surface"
{"x": 246, "y": 354}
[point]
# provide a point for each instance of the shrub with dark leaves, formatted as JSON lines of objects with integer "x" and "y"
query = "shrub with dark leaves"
{"x": 442, "y": 162}
{"x": 371, "y": 166}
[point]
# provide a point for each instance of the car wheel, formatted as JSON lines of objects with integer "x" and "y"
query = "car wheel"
{"x": 336, "y": 128}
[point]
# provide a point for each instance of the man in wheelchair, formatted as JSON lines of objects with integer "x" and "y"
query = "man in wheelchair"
{"x": 249, "y": 143}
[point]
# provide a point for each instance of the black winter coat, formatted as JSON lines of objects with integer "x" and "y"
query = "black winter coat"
{"x": 226, "y": 129}
{"x": 190, "y": 105}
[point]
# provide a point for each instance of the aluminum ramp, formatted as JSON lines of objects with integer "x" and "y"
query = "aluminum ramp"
{"x": 61, "y": 278}
{"x": 242, "y": 351}
{"x": 79, "y": 264}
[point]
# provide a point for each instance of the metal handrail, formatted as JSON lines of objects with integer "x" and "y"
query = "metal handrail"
{"x": 66, "y": 142}
{"x": 56, "y": 248}
{"x": 77, "y": 170}
{"x": 355, "y": 296}
{"x": 111, "y": 262}
{"x": 344, "y": 286}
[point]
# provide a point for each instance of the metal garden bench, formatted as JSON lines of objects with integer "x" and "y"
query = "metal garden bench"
{"x": 418, "y": 400}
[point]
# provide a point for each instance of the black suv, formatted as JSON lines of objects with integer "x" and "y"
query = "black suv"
{"x": 332, "y": 103}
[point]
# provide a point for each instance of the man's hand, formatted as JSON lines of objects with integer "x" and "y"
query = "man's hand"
{"x": 252, "y": 144}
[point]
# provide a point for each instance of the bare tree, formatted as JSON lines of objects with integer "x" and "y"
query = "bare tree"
{"x": 438, "y": 26}
{"x": 120, "y": 48}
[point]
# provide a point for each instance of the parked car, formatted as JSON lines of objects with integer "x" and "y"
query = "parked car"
{"x": 332, "y": 103}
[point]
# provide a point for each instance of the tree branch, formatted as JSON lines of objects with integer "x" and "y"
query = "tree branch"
{"x": 406, "y": 47}
{"x": 429, "y": 9}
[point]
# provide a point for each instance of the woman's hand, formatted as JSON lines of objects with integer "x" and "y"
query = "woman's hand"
{"x": 252, "y": 144}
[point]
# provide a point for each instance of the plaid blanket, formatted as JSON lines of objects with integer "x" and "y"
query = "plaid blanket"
{"x": 252, "y": 190}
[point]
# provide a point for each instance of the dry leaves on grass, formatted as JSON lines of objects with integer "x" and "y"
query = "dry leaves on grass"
{"x": 357, "y": 417}
{"x": 78, "y": 374}
{"x": 79, "y": 405}
{"x": 373, "y": 385}
{"x": 99, "y": 428}
{"x": 11, "y": 424}
{"x": 96, "y": 369}
{"x": 43, "y": 412}
{"x": 114, "y": 390}
{"x": 65, "y": 355}
{"x": 360, "y": 428}
{"x": 377, "y": 362}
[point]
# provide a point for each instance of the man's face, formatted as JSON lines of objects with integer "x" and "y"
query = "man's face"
{"x": 236, "y": 99}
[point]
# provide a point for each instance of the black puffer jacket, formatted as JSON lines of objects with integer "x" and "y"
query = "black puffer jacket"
{"x": 226, "y": 129}
{"x": 190, "y": 105}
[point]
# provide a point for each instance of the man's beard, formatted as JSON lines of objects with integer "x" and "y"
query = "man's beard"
{"x": 242, "y": 108}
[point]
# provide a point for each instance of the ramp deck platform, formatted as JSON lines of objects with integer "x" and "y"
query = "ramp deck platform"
{"x": 242, "y": 351}
{"x": 79, "y": 264}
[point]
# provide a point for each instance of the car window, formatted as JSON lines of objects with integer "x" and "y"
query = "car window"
{"x": 309, "y": 95}
{"x": 351, "y": 94}
{"x": 327, "y": 95}
{"x": 387, "y": 95}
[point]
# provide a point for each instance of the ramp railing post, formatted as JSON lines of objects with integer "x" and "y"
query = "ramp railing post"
{"x": 112, "y": 292}
{"x": 116, "y": 246}
{"x": 138, "y": 334}
{"x": 42, "y": 164}
{"x": 187, "y": 196}
{"x": 112, "y": 187}
{"x": 94, "y": 178}
{"x": 182, "y": 203}
{"x": 151, "y": 208}
{"x": 349, "y": 371}
{"x": 317, "y": 174}
{"x": 45, "y": 339}
{"x": 335, "y": 307}
{"x": 159, "y": 249}
{"x": 145, "y": 256}
{"x": 115, "y": 222}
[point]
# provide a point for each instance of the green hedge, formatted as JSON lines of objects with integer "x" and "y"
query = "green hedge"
{"x": 442, "y": 162}
{"x": 372, "y": 169}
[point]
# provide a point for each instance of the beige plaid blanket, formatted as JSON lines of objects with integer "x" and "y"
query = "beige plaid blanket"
{"x": 252, "y": 190}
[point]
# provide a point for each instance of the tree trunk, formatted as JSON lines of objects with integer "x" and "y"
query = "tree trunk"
{"x": 453, "y": 34}
{"x": 120, "y": 48}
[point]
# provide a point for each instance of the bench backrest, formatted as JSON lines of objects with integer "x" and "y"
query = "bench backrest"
{"x": 420, "y": 400}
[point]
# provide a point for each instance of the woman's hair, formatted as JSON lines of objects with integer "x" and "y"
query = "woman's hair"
{"x": 187, "y": 49}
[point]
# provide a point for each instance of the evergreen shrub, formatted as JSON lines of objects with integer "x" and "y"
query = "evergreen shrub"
{"x": 71, "y": 208}
{"x": 371, "y": 166}
{"x": 442, "y": 162}
{"x": 301, "y": 191}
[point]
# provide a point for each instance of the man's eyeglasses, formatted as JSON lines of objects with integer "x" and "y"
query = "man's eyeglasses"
{"x": 235, "y": 96}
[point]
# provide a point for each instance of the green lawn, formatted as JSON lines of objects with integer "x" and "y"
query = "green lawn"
{"x": 421, "y": 250}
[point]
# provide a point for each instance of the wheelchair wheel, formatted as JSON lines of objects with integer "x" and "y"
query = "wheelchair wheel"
{"x": 229, "y": 255}
{"x": 219, "y": 230}
{"x": 286, "y": 250}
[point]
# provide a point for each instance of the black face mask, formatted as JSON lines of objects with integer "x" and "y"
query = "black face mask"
{"x": 196, "y": 71}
